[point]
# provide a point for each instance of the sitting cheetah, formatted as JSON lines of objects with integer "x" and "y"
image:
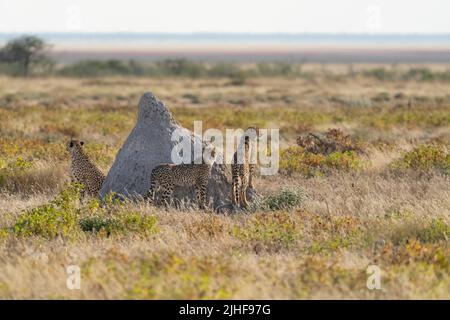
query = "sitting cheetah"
{"x": 83, "y": 170}
{"x": 167, "y": 176}
{"x": 243, "y": 171}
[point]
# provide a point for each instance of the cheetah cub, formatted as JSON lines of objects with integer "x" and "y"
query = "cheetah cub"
{"x": 243, "y": 171}
{"x": 83, "y": 170}
{"x": 168, "y": 176}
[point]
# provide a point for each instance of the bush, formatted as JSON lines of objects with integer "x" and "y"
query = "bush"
{"x": 403, "y": 227}
{"x": 296, "y": 160}
{"x": 286, "y": 199}
{"x": 435, "y": 231}
{"x": 11, "y": 69}
{"x": 47, "y": 221}
{"x": 57, "y": 218}
{"x": 278, "y": 69}
{"x": 4, "y": 233}
{"x": 95, "y": 68}
{"x": 274, "y": 231}
{"x": 181, "y": 67}
{"x": 192, "y": 97}
{"x": 177, "y": 67}
{"x": 420, "y": 74}
{"x": 61, "y": 217}
{"x": 224, "y": 70}
{"x": 13, "y": 168}
{"x": 100, "y": 224}
{"x": 425, "y": 158}
{"x": 238, "y": 79}
{"x": 23, "y": 176}
{"x": 380, "y": 74}
{"x": 334, "y": 232}
{"x": 121, "y": 223}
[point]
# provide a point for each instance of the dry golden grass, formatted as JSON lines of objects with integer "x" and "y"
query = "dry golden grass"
{"x": 396, "y": 217}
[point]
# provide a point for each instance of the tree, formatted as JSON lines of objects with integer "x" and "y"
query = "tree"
{"x": 25, "y": 51}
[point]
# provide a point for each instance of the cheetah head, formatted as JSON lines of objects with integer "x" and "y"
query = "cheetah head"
{"x": 210, "y": 155}
{"x": 251, "y": 134}
{"x": 74, "y": 146}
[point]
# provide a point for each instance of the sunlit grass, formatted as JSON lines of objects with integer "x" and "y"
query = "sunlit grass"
{"x": 311, "y": 233}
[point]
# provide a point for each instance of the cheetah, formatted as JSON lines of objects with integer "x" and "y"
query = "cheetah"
{"x": 167, "y": 176}
{"x": 83, "y": 170}
{"x": 243, "y": 171}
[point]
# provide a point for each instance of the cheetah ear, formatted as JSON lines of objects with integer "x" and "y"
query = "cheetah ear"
{"x": 81, "y": 143}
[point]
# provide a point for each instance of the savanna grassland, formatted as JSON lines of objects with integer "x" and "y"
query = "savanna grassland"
{"x": 317, "y": 226}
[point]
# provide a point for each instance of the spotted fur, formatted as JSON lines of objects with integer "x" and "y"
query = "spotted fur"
{"x": 168, "y": 176}
{"x": 243, "y": 171}
{"x": 83, "y": 170}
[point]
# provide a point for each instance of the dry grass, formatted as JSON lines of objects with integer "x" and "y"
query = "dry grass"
{"x": 394, "y": 216}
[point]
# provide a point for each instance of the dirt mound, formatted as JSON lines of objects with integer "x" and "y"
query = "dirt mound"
{"x": 148, "y": 145}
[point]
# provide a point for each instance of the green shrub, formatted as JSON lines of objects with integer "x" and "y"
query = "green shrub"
{"x": 238, "y": 79}
{"x": 296, "y": 160}
{"x": 404, "y": 226}
{"x": 425, "y": 157}
{"x": 337, "y": 242}
{"x": 4, "y": 233}
{"x": 380, "y": 74}
{"x": 192, "y": 97}
{"x": 13, "y": 169}
{"x": 278, "y": 229}
{"x": 95, "y": 68}
{"x": 176, "y": 67}
{"x": 47, "y": 221}
{"x": 416, "y": 74}
{"x": 420, "y": 74}
{"x": 278, "y": 69}
{"x": 435, "y": 231}
{"x": 11, "y": 69}
{"x": 425, "y": 74}
{"x": 411, "y": 118}
{"x": 100, "y": 223}
{"x": 64, "y": 217}
{"x": 19, "y": 164}
{"x": 120, "y": 224}
{"x": 223, "y": 70}
{"x": 58, "y": 217}
{"x": 180, "y": 67}
{"x": 286, "y": 199}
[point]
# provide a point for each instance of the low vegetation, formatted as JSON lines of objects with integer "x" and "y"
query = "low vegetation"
{"x": 65, "y": 217}
{"x": 285, "y": 199}
{"x": 374, "y": 191}
{"x": 425, "y": 158}
{"x": 296, "y": 160}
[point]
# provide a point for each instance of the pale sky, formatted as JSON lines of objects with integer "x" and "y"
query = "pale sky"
{"x": 257, "y": 16}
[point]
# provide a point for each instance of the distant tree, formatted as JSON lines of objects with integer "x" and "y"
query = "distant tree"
{"x": 25, "y": 51}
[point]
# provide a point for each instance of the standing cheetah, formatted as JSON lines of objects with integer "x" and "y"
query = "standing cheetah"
{"x": 167, "y": 176}
{"x": 83, "y": 170}
{"x": 242, "y": 170}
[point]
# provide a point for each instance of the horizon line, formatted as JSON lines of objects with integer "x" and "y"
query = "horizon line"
{"x": 447, "y": 33}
